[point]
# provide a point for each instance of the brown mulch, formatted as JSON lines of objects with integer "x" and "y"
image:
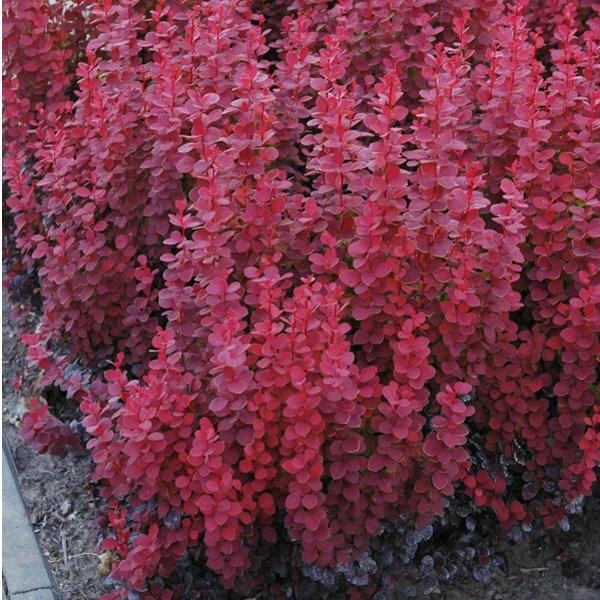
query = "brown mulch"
{"x": 55, "y": 490}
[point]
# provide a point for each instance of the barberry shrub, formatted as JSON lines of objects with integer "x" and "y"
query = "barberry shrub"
{"x": 323, "y": 277}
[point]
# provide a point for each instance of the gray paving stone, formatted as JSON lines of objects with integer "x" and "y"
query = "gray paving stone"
{"x": 23, "y": 565}
{"x": 43, "y": 594}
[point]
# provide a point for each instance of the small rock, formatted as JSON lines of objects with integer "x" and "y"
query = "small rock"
{"x": 65, "y": 507}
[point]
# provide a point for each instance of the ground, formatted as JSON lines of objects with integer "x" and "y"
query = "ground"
{"x": 55, "y": 490}
{"x": 560, "y": 566}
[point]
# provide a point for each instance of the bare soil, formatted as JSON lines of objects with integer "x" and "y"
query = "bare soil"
{"x": 55, "y": 491}
{"x": 559, "y": 566}
{"x": 60, "y": 501}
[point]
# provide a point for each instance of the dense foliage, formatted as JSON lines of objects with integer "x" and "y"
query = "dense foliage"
{"x": 323, "y": 277}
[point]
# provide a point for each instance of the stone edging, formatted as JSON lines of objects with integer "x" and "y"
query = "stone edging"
{"x": 24, "y": 567}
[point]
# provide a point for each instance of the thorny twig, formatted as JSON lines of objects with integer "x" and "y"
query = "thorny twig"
{"x": 63, "y": 540}
{"x": 74, "y": 556}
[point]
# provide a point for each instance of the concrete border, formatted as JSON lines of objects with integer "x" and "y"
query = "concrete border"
{"x": 24, "y": 567}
